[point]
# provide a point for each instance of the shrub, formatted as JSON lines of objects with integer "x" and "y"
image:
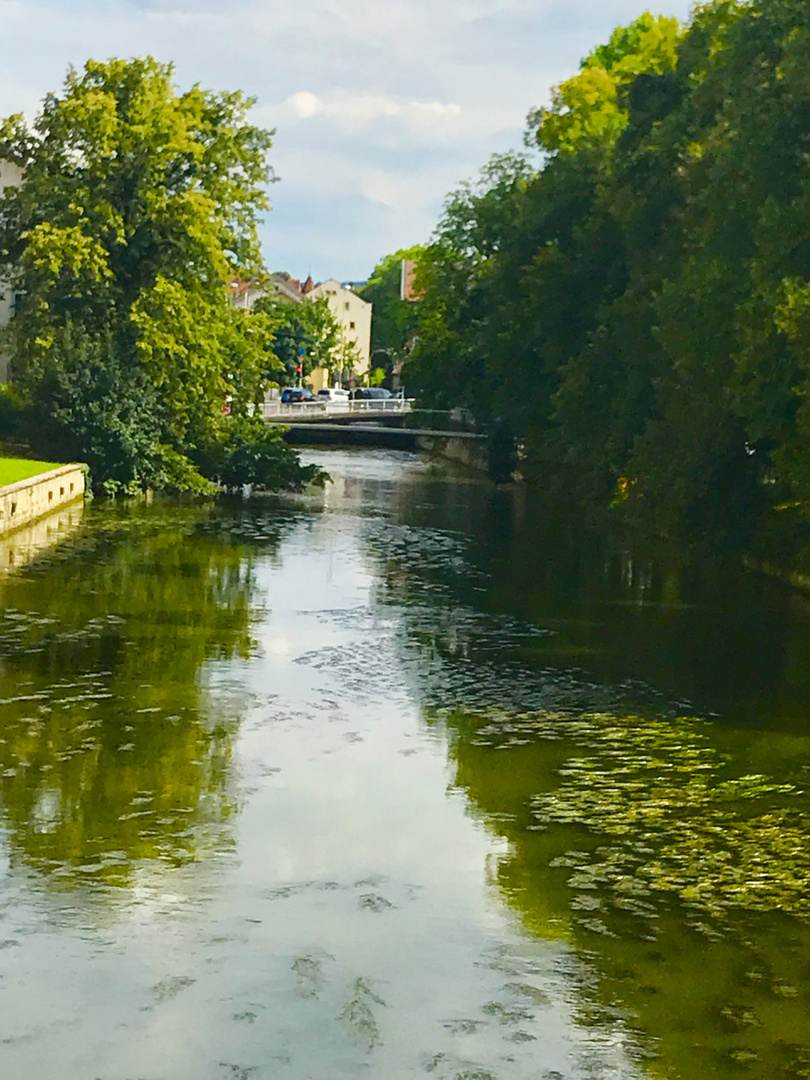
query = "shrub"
{"x": 255, "y": 453}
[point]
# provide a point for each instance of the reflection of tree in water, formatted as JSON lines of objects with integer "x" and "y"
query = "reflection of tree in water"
{"x": 111, "y": 751}
{"x": 650, "y": 842}
{"x": 720, "y": 993}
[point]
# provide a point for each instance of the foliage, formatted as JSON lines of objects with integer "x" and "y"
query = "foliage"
{"x": 138, "y": 204}
{"x": 636, "y": 308}
{"x": 11, "y": 413}
{"x": 395, "y": 320}
{"x": 447, "y": 362}
{"x": 308, "y": 326}
{"x": 88, "y": 406}
{"x": 255, "y": 453}
{"x": 587, "y": 109}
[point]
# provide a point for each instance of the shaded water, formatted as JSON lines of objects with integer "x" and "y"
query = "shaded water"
{"x": 410, "y": 778}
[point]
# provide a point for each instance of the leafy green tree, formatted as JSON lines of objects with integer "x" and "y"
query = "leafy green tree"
{"x": 395, "y": 320}
{"x": 138, "y": 204}
{"x": 305, "y": 333}
{"x": 255, "y": 453}
{"x": 588, "y": 109}
{"x": 635, "y": 310}
{"x": 448, "y": 364}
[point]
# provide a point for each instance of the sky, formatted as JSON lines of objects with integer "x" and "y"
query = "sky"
{"x": 381, "y": 107}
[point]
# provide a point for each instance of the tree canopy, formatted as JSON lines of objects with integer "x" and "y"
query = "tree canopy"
{"x": 634, "y": 304}
{"x": 138, "y": 204}
{"x": 305, "y": 333}
{"x": 395, "y": 320}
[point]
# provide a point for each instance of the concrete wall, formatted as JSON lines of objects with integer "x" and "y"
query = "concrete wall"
{"x": 467, "y": 449}
{"x": 30, "y": 499}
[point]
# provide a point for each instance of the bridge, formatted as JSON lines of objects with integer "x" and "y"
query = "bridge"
{"x": 373, "y": 423}
{"x": 342, "y": 412}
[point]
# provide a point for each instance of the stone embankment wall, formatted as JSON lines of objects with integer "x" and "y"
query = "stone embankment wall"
{"x": 467, "y": 449}
{"x": 27, "y": 500}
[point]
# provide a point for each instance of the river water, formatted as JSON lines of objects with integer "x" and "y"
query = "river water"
{"x": 409, "y": 778}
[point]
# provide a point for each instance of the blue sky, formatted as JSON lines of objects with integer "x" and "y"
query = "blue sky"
{"x": 380, "y": 106}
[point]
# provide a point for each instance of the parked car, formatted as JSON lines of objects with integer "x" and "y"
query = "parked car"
{"x": 335, "y": 395}
{"x": 293, "y": 394}
{"x": 372, "y": 393}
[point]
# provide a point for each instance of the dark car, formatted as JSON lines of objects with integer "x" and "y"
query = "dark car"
{"x": 293, "y": 394}
{"x": 372, "y": 393}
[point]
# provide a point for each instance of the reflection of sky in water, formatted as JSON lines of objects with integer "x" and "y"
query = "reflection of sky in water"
{"x": 346, "y": 924}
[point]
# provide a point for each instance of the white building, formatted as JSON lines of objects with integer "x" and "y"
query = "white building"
{"x": 10, "y": 176}
{"x": 353, "y": 315}
{"x": 351, "y": 312}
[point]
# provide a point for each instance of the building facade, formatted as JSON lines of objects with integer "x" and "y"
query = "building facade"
{"x": 351, "y": 312}
{"x": 353, "y": 315}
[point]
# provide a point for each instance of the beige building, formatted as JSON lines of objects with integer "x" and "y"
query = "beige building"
{"x": 353, "y": 314}
{"x": 10, "y": 176}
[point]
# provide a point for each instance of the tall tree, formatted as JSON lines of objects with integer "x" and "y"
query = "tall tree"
{"x": 138, "y": 203}
{"x": 307, "y": 334}
{"x": 395, "y": 320}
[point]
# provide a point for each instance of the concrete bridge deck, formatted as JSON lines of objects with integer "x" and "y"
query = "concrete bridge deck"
{"x": 373, "y": 423}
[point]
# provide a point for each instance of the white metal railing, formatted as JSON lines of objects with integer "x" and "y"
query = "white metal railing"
{"x": 275, "y": 410}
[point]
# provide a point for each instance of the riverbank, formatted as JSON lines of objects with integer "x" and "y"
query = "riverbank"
{"x": 40, "y": 492}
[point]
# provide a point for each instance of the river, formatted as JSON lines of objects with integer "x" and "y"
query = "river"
{"x": 408, "y": 778}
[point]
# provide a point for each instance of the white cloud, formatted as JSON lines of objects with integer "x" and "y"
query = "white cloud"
{"x": 391, "y": 191}
{"x": 355, "y": 111}
{"x": 380, "y": 108}
{"x": 303, "y": 104}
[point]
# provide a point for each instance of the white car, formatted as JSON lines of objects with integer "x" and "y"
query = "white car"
{"x": 333, "y": 395}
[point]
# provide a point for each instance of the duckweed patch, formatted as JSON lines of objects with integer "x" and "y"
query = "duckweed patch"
{"x": 675, "y": 823}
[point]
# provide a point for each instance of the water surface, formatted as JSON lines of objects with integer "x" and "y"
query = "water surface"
{"x": 408, "y": 778}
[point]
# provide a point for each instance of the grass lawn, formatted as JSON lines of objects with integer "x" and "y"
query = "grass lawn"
{"x": 13, "y": 469}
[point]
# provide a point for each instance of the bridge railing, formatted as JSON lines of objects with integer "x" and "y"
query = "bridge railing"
{"x": 312, "y": 410}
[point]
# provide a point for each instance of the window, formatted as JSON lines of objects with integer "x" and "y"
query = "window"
{"x": 346, "y": 305}
{"x": 351, "y": 326}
